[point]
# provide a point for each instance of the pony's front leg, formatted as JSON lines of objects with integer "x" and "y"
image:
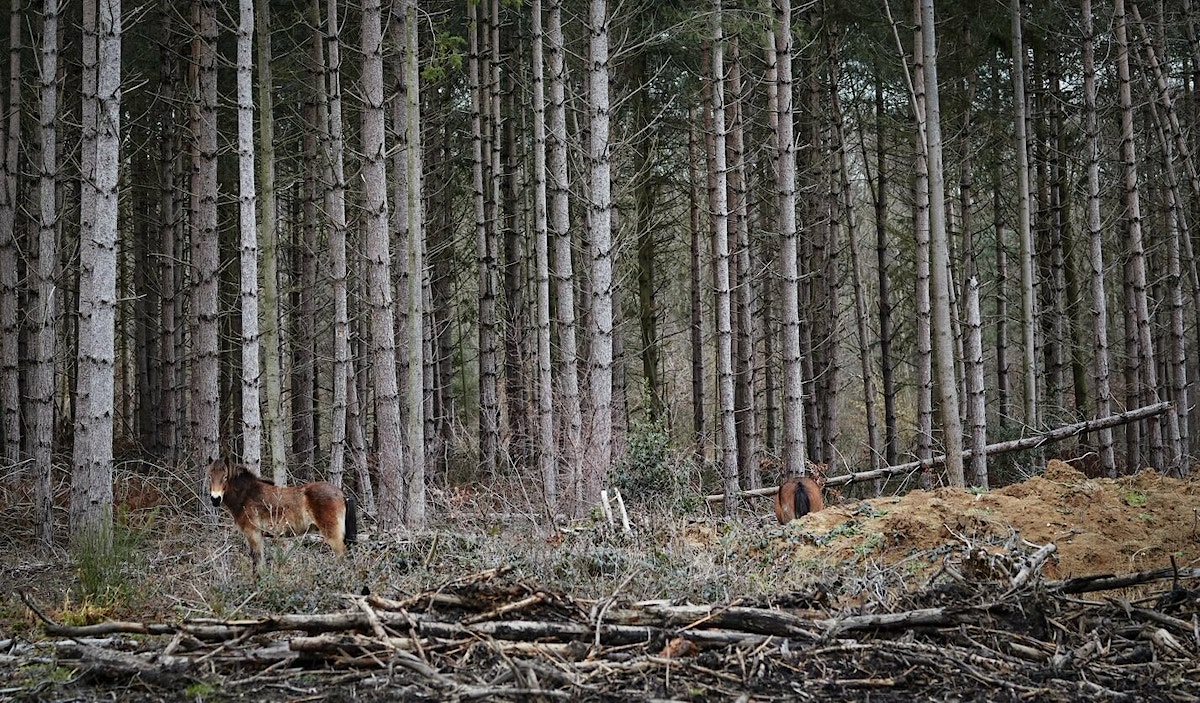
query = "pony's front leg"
{"x": 254, "y": 539}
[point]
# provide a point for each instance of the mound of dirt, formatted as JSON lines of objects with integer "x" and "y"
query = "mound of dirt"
{"x": 1118, "y": 525}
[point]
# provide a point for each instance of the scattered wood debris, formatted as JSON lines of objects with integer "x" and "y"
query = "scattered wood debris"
{"x": 491, "y": 636}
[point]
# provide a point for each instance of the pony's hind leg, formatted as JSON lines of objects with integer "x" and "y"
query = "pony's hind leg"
{"x": 333, "y": 528}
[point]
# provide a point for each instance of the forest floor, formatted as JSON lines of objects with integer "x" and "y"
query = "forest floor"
{"x": 935, "y": 595}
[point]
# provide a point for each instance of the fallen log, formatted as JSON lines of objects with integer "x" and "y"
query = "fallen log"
{"x": 1012, "y": 445}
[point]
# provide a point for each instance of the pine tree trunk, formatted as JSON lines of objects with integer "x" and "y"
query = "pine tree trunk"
{"x": 1148, "y": 373}
{"x": 560, "y": 232}
{"x": 887, "y": 374}
{"x": 390, "y": 441}
{"x": 205, "y": 260}
{"x": 696, "y": 250}
{"x": 600, "y": 443}
{"x": 1029, "y": 370}
{"x": 414, "y": 478}
{"x": 248, "y": 227}
{"x": 645, "y": 194}
{"x": 744, "y": 355}
{"x": 41, "y": 319}
{"x": 10, "y": 329}
{"x": 976, "y": 390}
{"x": 1099, "y": 296}
{"x": 939, "y": 255}
{"x": 269, "y": 243}
{"x": 794, "y": 450}
{"x": 489, "y": 402}
{"x": 546, "y": 450}
{"x": 329, "y": 118}
{"x": 92, "y": 466}
{"x": 168, "y": 227}
{"x": 304, "y": 309}
{"x": 720, "y": 218}
{"x": 921, "y": 228}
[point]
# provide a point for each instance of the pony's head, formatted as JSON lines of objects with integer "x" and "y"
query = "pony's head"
{"x": 219, "y": 473}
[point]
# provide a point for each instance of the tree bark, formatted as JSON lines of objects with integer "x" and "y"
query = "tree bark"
{"x": 248, "y": 228}
{"x": 939, "y": 255}
{"x": 10, "y": 326}
{"x": 92, "y": 467}
{"x": 392, "y": 496}
{"x": 1024, "y": 225}
{"x": 547, "y": 450}
{"x": 603, "y": 257}
{"x": 794, "y": 450}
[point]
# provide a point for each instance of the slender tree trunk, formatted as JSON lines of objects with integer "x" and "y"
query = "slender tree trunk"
{"x": 1029, "y": 369}
{"x": 248, "y": 227}
{"x": 742, "y": 275}
{"x": 91, "y": 476}
{"x": 1099, "y": 297}
{"x": 560, "y": 231}
{"x": 489, "y": 403}
{"x": 1148, "y": 374}
{"x": 42, "y": 316}
{"x": 921, "y": 228}
{"x": 720, "y": 218}
{"x": 268, "y": 237}
{"x": 645, "y": 194}
{"x": 414, "y": 475}
{"x": 603, "y": 257}
{"x": 547, "y": 451}
{"x": 168, "y": 226}
{"x": 939, "y": 255}
{"x": 206, "y": 416}
{"x": 696, "y": 328}
{"x": 891, "y": 450}
{"x": 794, "y": 450}
{"x": 976, "y": 390}
{"x": 10, "y": 330}
{"x": 329, "y": 117}
{"x": 392, "y": 494}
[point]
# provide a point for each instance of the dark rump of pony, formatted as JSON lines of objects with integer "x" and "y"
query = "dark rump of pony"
{"x": 797, "y": 497}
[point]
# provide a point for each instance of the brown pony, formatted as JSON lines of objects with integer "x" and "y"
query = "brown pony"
{"x": 260, "y": 507}
{"x": 797, "y": 496}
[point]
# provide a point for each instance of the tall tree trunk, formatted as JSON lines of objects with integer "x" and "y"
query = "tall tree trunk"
{"x": 392, "y": 494}
{"x": 92, "y": 467}
{"x": 794, "y": 450}
{"x": 1137, "y": 258}
{"x": 489, "y": 402}
{"x": 10, "y": 330}
{"x": 206, "y": 417}
{"x": 976, "y": 389}
{"x": 720, "y": 218}
{"x": 547, "y": 451}
{"x": 888, "y": 378}
{"x": 414, "y": 475}
{"x": 645, "y": 194}
{"x": 745, "y": 365}
{"x": 921, "y": 228}
{"x": 329, "y": 118}
{"x": 268, "y": 237}
{"x": 248, "y": 227}
{"x": 697, "y": 249}
{"x": 1099, "y": 297}
{"x": 168, "y": 228}
{"x": 560, "y": 231}
{"x": 42, "y": 339}
{"x": 603, "y": 257}
{"x": 1029, "y": 369}
{"x": 939, "y": 255}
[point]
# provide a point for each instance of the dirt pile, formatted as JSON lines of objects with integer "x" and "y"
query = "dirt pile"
{"x": 1118, "y": 525}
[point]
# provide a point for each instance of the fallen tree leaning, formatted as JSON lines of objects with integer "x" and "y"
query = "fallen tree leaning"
{"x": 1056, "y": 435}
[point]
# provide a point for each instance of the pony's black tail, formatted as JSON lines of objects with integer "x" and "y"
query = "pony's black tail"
{"x": 351, "y": 521}
{"x": 800, "y": 500}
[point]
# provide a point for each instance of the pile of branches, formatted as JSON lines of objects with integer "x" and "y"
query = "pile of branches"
{"x": 491, "y": 636}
